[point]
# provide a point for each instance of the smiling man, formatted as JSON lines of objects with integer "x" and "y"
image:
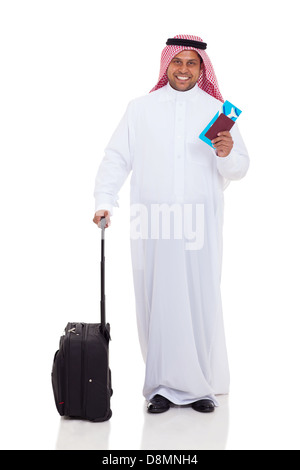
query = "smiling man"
{"x": 184, "y": 70}
{"x": 177, "y": 284}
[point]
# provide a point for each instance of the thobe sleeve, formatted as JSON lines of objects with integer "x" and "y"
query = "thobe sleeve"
{"x": 115, "y": 166}
{"x": 236, "y": 164}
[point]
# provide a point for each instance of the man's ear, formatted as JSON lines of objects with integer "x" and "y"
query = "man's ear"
{"x": 201, "y": 69}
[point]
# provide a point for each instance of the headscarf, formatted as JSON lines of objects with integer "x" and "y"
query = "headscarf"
{"x": 182, "y": 42}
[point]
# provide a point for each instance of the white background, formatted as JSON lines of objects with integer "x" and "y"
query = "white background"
{"x": 68, "y": 70}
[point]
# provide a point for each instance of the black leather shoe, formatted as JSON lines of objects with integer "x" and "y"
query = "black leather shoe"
{"x": 158, "y": 404}
{"x": 204, "y": 406}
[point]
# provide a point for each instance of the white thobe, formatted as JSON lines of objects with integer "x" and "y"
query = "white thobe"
{"x": 176, "y": 278}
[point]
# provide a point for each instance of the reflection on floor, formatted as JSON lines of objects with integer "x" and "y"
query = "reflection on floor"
{"x": 181, "y": 428}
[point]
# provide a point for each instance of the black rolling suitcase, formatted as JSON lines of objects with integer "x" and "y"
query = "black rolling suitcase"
{"x": 81, "y": 377}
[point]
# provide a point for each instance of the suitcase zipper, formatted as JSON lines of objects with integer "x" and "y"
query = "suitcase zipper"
{"x": 83, "y": 368}
{"x": 71, "y": 328}
{"x": 67, "y": 355}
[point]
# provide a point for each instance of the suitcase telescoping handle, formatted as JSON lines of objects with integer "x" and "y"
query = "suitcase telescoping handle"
{"x": 102, "y": 225}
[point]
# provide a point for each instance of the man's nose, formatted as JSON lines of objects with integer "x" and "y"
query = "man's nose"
{"x": 183, "y": 68}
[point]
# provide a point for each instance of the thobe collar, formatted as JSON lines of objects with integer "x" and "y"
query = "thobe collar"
{"x": 172, "y": 94}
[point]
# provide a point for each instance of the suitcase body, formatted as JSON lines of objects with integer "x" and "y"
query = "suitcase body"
{"x": 81, "y": 377}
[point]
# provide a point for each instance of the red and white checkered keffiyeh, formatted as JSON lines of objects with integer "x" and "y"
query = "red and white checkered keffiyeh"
{"x": 207, "y": 81}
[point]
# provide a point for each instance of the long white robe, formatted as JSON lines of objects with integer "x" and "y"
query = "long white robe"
{"x": 177, "y": 283}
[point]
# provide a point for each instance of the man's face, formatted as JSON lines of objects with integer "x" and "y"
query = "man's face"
{"x": 184, "y": 70}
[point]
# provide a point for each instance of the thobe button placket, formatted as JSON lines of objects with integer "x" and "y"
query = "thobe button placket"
{"x": 179, "y": 150}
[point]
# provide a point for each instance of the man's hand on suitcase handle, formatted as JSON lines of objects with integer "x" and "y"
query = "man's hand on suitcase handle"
{"x": 98, "y": 216}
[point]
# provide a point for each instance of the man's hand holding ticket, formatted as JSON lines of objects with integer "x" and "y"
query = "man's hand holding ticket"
{"x": 216, "y": 134}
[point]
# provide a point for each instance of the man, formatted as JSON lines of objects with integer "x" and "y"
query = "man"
{"x": 177, "y": 188}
